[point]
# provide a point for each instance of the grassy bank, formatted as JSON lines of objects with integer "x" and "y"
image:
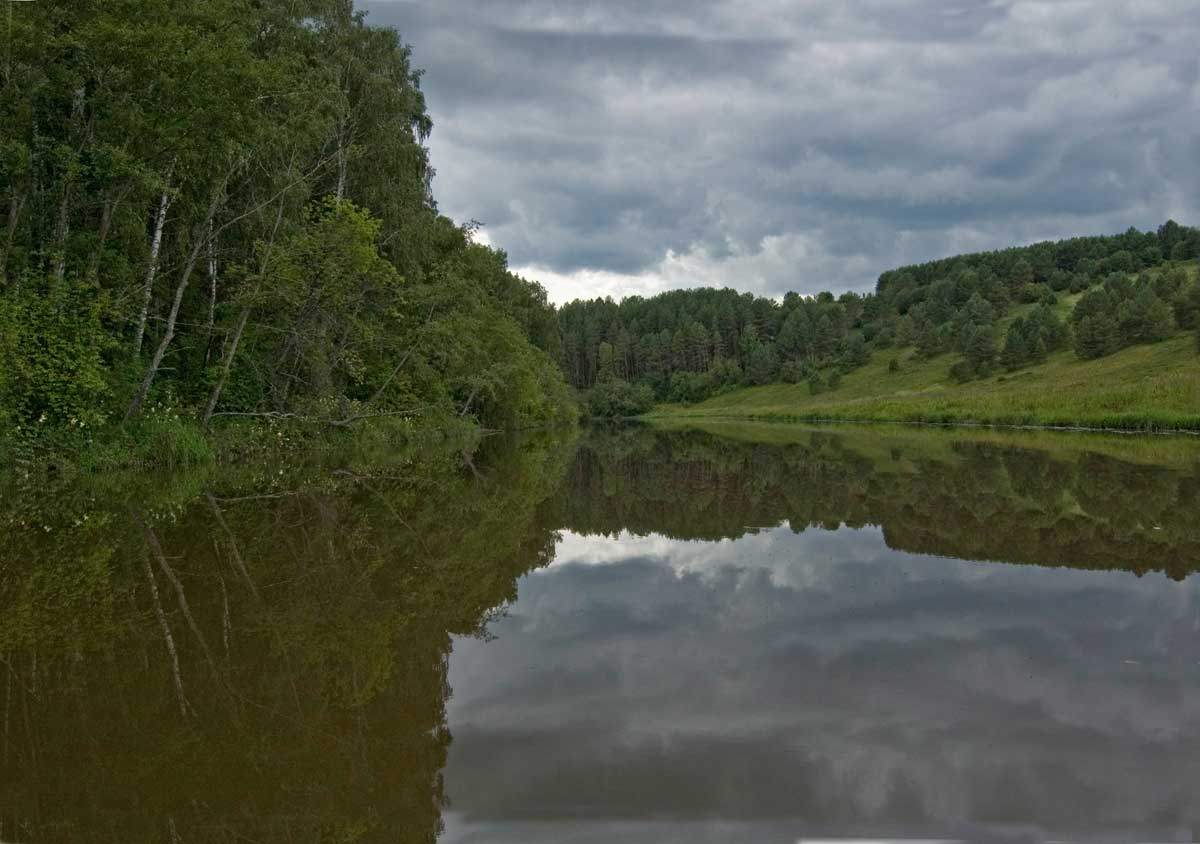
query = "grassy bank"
{"x": 172, "y": 441}
{"x": 1145, "y": 388}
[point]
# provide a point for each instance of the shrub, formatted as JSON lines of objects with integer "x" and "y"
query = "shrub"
{"x": 791, "y": 372}
{"x": 52, "y": 345}
{"x": 690, "y": 387}
{"x": 616, "y": 399}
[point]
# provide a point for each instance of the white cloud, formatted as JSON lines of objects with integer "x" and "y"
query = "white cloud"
{"x": 630, "y": 146}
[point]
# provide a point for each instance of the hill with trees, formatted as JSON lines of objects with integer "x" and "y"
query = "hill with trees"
{"x": 216, "y": 209}
{"x": 960, "y": 320}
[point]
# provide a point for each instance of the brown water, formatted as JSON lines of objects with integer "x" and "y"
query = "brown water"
{"x": 743, "y": 634}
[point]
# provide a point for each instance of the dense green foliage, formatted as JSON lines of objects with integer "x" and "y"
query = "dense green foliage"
{"x": 613, "y": 398}
{"x": 690, "y": 345}
{"x": 223, "y": 207}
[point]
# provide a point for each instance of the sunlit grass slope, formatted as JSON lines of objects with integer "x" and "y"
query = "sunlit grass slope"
{"x": 1154, "y": 387}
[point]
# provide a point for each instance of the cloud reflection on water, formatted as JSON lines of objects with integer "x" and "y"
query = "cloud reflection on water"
{"x": 821, "y": 683}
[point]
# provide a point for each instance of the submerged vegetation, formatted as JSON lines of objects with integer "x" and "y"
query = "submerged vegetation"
{"x": 217, "y": 211}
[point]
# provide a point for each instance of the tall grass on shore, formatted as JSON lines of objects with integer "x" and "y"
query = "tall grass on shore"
{"x": 1142, "y": 388}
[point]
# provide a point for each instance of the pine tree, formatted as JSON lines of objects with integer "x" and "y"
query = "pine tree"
{"x": 1016, "y": 346}
{"x": 980, "y": 349}
{"x": 1096, "y": 336}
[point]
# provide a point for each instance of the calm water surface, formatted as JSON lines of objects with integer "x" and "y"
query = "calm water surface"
{"x": 738, "y": 634}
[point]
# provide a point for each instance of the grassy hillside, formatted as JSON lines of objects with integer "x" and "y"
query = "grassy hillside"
{"x": 1154, "y": 387}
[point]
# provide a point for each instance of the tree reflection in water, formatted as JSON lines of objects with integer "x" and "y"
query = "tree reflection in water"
{"x": 256, "y": 656}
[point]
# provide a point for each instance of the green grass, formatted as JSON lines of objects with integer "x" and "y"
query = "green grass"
{"x": 1145, "y": 388}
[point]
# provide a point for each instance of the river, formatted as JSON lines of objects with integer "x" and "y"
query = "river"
{"x": 730, "y": 633}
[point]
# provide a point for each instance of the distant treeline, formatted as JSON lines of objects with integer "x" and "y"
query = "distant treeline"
{"x": 217, "y": 208}
{"x": 687, "y": 345}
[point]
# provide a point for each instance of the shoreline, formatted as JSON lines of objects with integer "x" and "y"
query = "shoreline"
{"x": 1192, "y": 430}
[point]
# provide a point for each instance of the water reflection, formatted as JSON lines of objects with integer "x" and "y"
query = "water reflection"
{"x": 825, "y": 684}
{"x": 758, "y": 633}
{"x": 259, "y": 656}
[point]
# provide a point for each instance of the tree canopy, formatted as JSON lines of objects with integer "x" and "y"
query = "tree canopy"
{"x": 224, "y": 207}
{"x": 688, "y": 345}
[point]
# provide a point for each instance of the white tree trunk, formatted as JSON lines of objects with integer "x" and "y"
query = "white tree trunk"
{"x": 200, "y": 232}
{"x": 227, "y": 364}
{"x": 212, "y": 292}
{"x": 160, "y": 220}
{"x": 341, "y": 167}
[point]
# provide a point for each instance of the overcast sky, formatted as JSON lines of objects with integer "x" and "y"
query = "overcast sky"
{"x": 615, "y": 147}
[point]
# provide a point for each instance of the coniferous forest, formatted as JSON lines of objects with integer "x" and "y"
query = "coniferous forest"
{"x": 688, "y": 345}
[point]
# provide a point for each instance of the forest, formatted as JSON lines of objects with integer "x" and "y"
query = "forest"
{"x": 219, "y": 211}
{"x": 219, "y": 214}
{"x": 685, "y": 346}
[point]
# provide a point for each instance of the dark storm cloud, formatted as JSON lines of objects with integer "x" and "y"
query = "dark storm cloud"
{"x": 829, "y": 680}
{"x": 774, "y": 146}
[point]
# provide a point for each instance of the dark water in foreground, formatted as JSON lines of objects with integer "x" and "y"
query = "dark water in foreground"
{"x": 747, "y": 634}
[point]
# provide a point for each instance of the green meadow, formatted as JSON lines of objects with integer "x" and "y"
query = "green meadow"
{"x": 1147, "y": 388}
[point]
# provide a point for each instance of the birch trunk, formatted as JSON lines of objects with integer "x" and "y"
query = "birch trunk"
{"x": 173, "y": 316}
{"x": 160, "y": 220}
{"x": 341, "y": 167}
{"x": 212, "y": 292}
{"x": 470, "y": 400}
{"x": 227, "y": 364}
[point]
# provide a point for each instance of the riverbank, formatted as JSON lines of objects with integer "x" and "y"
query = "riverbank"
{"x": 172, "y": 440}
{"x": 1141, "y": 388}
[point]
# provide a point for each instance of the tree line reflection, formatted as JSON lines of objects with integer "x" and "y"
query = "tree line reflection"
{"x": 263, "y": 656}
